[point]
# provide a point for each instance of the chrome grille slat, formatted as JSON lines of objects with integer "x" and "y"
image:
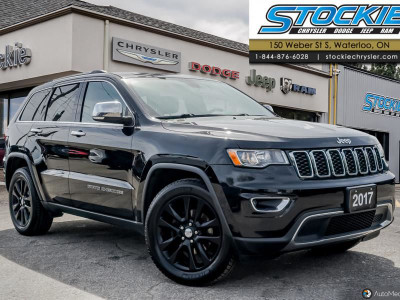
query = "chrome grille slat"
{"x": 361, "y": 161}
{"x": 350, "y": 163}
{"x": 320, "y": 163}
{"x": 336, "y": 162}
{"x": 328, "y": 163}
{"x": 302, "y": 162}
{"x": 371, "y": 159}
{"x": 379, "y": 159}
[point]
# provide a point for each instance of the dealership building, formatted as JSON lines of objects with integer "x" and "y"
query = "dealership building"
{"x": 51, "y": 39}
{"x": 370, "y": 103}
{"x": 41, "y": 40}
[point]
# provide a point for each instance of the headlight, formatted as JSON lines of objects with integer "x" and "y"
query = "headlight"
{"x": 257, "y": 158}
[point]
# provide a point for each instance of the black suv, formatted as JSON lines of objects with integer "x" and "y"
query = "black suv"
{"x": 202, "y": 170}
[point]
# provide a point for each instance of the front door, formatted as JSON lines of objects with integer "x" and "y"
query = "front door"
{"x": 100, "y": 157}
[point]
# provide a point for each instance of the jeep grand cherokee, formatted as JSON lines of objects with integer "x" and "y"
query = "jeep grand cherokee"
{"x": 202, "y": 170}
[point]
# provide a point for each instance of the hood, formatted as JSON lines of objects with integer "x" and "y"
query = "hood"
{"x": 262, "y": 132}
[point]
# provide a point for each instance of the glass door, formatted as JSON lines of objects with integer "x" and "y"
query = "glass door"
{"x": 9, "y": 105}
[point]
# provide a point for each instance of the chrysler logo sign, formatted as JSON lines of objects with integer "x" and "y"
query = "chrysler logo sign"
{"x": 147, "y": 59}
{"x": 145, "y": 55}
{"x": 15, "y": 56}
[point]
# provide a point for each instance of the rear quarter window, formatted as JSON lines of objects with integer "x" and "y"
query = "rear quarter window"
{"x": 35, "y": 109}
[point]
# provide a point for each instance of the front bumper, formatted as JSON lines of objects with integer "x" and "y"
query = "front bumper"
{"x": 305, "y": 212}
{"x": 321, "y": 228}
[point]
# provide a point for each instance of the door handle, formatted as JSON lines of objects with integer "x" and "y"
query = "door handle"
{"x": 78, "y": 133}
{"x": 36, "y": 130}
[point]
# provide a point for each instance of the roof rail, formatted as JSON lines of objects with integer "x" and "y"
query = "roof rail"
{"x": 98, "y": 71}
{"x": 80, "y": 74}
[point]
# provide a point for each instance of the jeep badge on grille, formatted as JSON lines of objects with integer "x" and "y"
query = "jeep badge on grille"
{"x": 343, "y": 141}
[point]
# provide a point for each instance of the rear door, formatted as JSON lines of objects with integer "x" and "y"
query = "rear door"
{"x": 34, "y": 134}
{"x": 100, "y": 157}
{"x": 50, "y": 141}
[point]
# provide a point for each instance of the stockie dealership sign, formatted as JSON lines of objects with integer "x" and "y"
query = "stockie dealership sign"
{"x": 15, "y": 56}
{"x": 145, "y": 55}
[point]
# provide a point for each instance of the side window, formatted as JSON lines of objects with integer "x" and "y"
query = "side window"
{"x": 99, "y": 92}
{"x": 63, "y": 104}
{"x": 35, "y": 109}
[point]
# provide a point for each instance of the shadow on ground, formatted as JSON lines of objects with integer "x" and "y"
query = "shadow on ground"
{"x": 113, "y": 263}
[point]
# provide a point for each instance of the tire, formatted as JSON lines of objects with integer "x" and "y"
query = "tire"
{"x": 27, "y": 213}
{"x": 335, "y": 248}
{"x": 191, "y": 247}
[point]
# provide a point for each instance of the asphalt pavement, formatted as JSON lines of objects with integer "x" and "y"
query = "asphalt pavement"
{"x": 84, "y": 259}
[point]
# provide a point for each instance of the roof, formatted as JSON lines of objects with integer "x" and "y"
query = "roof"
{"x": 18, "y": 11}
{"x": 113, "y": 75}
{"x": 368, "y": 72}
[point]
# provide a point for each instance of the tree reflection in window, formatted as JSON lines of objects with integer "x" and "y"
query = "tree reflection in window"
{"x": 63, "y": 103}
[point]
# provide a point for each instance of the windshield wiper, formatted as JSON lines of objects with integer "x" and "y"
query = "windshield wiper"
{"x": 247, "y": 115}
{"x": 177, "y": 117}
{"x": 184, "y": 116}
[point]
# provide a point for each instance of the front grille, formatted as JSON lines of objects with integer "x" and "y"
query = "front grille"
{"x": 349, "y": 223}
{"x": 303, "y": 163}
{"x": 337, "y": 162}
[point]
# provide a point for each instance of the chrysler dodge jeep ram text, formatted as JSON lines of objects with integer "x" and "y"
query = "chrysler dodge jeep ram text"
{"x": 205, "y": 172}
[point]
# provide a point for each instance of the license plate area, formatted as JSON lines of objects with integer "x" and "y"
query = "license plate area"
{"x": 361, "y": 198}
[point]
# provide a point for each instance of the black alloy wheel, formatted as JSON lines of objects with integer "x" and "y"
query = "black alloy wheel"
{"x": 27, "y": 212}
{"x": 189, "y": 233}
{"x": 21, "y": 202}
{"x": 185, "y": 237}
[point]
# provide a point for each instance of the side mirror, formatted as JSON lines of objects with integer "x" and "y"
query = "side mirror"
{"x": 269, "y": 107}
{"x": 110, "y": 112}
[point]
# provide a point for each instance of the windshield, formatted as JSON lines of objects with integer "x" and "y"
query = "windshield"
{"x": 168, "y": 98}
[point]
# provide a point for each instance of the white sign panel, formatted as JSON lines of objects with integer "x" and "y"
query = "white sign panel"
{"x": 291, "y": 19}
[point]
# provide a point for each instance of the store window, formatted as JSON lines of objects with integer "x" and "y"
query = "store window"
{"x": 295, "y": 114}
{"x": 3, "y": 113}
{"x": 9, "y": 105}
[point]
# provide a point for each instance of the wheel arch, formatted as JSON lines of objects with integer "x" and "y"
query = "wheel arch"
{"x": 194, "y": 172}
{"x": 16, "y": 160}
